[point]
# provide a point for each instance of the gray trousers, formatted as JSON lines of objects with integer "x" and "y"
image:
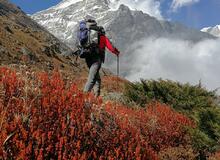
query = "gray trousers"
{"x": 94, "y": 79}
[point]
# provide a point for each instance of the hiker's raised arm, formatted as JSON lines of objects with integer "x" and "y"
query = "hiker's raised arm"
{"x": 106, "y": 43}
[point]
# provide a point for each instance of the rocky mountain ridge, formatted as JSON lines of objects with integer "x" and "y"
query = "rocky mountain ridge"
{"x": 124, "y": 26}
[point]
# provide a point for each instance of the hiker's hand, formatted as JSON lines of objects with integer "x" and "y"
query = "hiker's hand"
{"x": 116, "y": 51}
{"x": 76, "y": 52}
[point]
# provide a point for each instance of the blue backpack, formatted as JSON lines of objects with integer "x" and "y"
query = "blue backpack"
{"x": 83, "y": 34}
{"x": 85, "y": 44}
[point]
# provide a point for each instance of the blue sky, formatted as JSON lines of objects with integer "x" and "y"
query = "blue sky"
{"x": 32, "y": 6}
{"x": 202, "y": 14}
{"x": 197, "y": 15}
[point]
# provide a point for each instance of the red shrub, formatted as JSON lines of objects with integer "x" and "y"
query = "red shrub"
{"x": 44, "y": 118}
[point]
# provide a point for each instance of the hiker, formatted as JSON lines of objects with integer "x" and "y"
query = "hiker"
{"x": 93, "y": 43}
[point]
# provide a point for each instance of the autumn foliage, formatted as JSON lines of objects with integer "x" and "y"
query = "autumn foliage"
{"x": 44, "y": 117}
{"x": 159, "y": 125}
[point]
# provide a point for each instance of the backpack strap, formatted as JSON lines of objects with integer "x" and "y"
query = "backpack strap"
{"x": 89, "y": 40}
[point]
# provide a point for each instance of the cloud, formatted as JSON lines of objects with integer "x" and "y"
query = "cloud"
{"x": 176, "y": 60}
{"x": 151, "y": 7}
{"x": 176, "y": 4}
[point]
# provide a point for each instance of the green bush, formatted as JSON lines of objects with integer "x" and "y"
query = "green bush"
{"x": 184, "y": 97}
{"x": 210, "y": 122}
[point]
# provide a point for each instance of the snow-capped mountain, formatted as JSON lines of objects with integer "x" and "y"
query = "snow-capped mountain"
{"x": 125, "y": 26}
{"x": 215, "y": 31}
{"x": 127, "y": 29}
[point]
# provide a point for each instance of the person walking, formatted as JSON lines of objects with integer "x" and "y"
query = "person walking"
{"x": 94, "y": 50}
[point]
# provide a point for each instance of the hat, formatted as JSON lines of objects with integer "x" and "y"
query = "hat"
{"x": 101, "y": 30}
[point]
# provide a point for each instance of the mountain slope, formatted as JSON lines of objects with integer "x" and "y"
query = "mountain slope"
{"x": 215, "y": 31}
{"x": 23, "y": 41}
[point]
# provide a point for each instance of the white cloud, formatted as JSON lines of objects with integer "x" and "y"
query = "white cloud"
{"x": 176, "y": 60}
{"x": 151, "y": 7}
{"x": 176, "y": 4}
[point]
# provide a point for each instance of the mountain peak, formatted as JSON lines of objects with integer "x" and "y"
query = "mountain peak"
{"x": 218, "y": 26}
{"x": 212, "y": 30}
{"x": 124, "y": 7}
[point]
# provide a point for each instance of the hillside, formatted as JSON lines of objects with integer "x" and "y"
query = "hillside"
{"x": 45, "y": 115}
{"x": 24, "y": 41}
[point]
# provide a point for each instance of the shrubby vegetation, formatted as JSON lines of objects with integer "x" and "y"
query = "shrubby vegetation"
{"x": 44, "y": 117}
{"x": 183, "y": 97}
{"x": 194, "y": 101}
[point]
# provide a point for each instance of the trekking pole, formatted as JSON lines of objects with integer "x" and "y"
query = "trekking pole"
{"x": 84, "y": 9}
{"x": 117, "y": 70}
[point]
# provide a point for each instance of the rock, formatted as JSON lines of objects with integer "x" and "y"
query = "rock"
{"x": 8, "y": 29}
{"x": 25, "y": 51}
{"x": 46, "y": 50}
{"x": 2, "y": 49}
{"x": 62, "y": 66}
{"x": 28, "y": 54}
{"x": 50, "y": 65}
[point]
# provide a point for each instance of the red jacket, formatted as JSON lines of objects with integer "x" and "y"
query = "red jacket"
{"x": 105, "y": 42}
